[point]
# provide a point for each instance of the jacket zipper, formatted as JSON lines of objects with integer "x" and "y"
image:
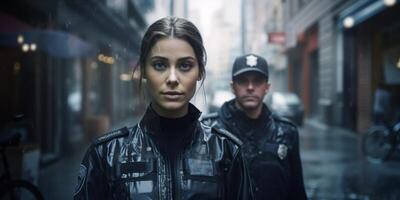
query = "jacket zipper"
{"x": 178, "y": 177}
{"x": 169, "y": 177}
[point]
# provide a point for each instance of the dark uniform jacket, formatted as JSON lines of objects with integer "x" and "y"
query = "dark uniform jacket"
{"x": 127, "y": 164}
{"x": 271, "y": 147}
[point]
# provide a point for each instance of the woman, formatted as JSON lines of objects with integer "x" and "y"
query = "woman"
{"x": 169, "y": 154}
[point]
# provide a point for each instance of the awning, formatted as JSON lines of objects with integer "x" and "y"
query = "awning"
{"x": 52, "y": 42}
{"x": 360, "y": 11}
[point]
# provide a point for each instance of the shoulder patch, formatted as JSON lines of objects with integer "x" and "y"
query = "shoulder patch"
{"x": 81, "y": 179}
{"x": 111, "y": 135}
{"x": 227, "y": 134}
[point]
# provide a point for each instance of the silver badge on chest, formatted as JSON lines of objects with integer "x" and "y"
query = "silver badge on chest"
{"x": 282, "y": 151}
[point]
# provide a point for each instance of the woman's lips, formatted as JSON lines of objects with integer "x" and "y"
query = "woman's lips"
{"x": 172, "y": 95}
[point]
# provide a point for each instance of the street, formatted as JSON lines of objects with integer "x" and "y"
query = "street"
{"x": 333, "y": 168}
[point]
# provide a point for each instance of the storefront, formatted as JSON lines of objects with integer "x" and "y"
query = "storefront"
{"x": 303, "y": 69}
{"x": 67, "y": 70}
{"x": 370, "y": 51}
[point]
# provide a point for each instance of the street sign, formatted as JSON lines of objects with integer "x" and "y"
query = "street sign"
{"x": 276, "y": 38}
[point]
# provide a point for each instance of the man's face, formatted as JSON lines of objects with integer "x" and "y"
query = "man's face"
{"x": 250, "y": 89}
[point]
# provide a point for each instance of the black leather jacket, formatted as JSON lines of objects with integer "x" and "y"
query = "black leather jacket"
{"x": 127, "y": 164}
{"x": 271, "y": 148}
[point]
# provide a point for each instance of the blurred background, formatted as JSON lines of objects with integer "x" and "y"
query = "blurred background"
{"x": 66, "y": 78}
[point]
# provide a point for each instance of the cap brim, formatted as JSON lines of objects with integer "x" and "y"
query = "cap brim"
{"x": 249, "y": 70}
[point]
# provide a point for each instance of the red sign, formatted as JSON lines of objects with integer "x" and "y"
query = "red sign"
{"x": 276, "y": 38}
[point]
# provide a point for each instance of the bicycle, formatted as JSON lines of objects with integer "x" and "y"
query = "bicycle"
{"x": 14, "y": 189}
{"x": 380, "y": 142}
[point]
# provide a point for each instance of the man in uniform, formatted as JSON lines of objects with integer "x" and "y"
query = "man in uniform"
{"x": 270, "y": 143}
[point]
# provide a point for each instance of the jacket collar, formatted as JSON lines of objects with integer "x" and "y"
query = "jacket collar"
{"x": 229, "y": 111}
{"x": 239, "y": 123}
{"x": 150, "y": 122}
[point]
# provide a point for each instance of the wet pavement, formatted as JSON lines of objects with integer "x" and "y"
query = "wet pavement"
{"x": 58, "y": 181}
{"x": 333, "y": 168}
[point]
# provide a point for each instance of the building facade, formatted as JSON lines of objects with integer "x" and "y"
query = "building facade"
{"x": 335, "y": 68}
{"x": 67, "y": 67}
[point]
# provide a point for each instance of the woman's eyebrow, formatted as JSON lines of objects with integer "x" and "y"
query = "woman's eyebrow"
{"x": 186, "y": 58}
{"x": 158, "y": 58}
{"x": 166, "y": 59}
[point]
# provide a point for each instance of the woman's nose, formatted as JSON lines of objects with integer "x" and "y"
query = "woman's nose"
{"x": 172, "y": 77}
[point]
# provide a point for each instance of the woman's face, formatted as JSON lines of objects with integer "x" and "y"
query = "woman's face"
{"x": 172, "y": 72}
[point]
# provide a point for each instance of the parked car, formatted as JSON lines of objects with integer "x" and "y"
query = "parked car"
{"x": 287, "y": 105}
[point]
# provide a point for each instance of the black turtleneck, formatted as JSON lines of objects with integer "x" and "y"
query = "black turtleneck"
{"x": 173, "y": 136}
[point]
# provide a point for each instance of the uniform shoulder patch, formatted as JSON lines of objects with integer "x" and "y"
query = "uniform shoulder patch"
{"x": 81, "y": 179}
{"x": 111, "y": 135}
{"x": 227, "y": 134}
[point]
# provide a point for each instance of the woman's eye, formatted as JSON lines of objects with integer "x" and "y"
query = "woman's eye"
{"x": 159, "y": 66}
{"x": 185, "y": 66}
